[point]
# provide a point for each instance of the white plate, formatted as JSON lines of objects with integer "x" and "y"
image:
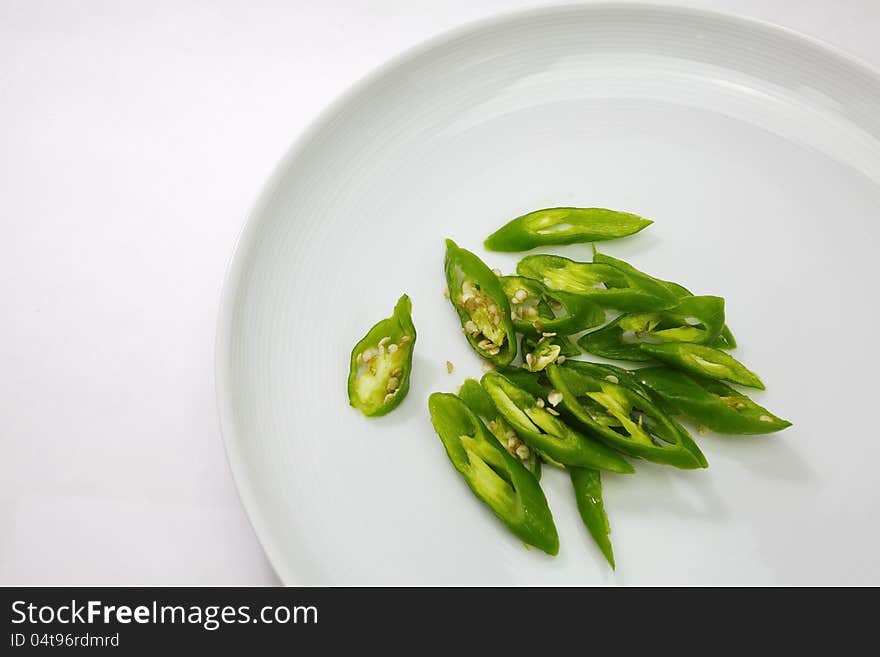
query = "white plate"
{"x": 756, "y": 152}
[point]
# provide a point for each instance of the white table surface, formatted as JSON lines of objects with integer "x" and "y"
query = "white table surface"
{"x": 133, "y": 138}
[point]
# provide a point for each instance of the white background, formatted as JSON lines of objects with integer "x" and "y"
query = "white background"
{"x": 133, "y": 138}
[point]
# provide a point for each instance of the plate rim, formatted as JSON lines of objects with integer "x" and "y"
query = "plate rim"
{"x": 248, "y": 231}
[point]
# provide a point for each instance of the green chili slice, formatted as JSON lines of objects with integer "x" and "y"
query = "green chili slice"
{"x": 564, "y": 226}
{"x": 481, "y": 304}
{"x": 624, "y": 419}
{"x": 724, "y": 340}
{"x": 704, "y": 361}
{"x": 587, "y": 484}
{"x": 610, "y": 373}
{"x": 538, "y": 353}
{"x": 692, "y": 319}
{"x": 603, "y": 284}
{"x": 494, "y": 476}
{"x": 711, "y": 403}
{"x": 381, "y": 363}
{"x": 478, "y": 400}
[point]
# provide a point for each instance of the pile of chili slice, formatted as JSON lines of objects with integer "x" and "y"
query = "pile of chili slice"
{"x": 542, "y": 403}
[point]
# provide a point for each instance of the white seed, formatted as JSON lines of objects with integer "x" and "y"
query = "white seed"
{"x": 384, "y": 340}
{"x": 471, "y": 327}
{"x": 560, "y": 360}
{"x": 393, "y": 384}
{"x": 553, "y": 411}
{"x": 449, "y": 366}
{"x": 511, "y": 443}
{"x": 523, "y": 452}
{"x": 445, "y": 292}
{"x": 404, "y": 340}
{"x": 548, "y": 335}
{"x": 388, "y": 398}
{"x": 554, "y": 397}
{"x": 765, "y": 418}
{"x": 396, "y": 372}
{"x": 612, "y": 378}
{"x": 510, "y": 435}
{"x": 520, "y": 295}
{"x": 360, "y": 358}
{"x": 497, "y": 272}
{"x": 532, "y": 312}
{"x": 539, "y": 403}
{"x": 530, "y": 360}
{"x": 487, "y": 366}
{"x": 392, "y": 348}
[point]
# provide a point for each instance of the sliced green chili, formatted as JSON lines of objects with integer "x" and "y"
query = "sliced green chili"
{"x": 481, "y": 304}
{"x": 605, "y": 285}
{"x": 567, "y": 348}
{"x": 713, "y": 404}
{"x": 704, "y": 361}
{"x": 381, "y": 363}
{"x": 538, "y": 353}
{"x": 540, "y": 427}
{"x": 543, "y": 354}
{"x": 494, "y": 476}
{"x": 564, "y": 226}
{"x": 692, "y": 319}
{"x": 611, "y": 373}
{"x": 725, "y": 339}
{"x": 535, "y": 309}
{"x": 587, "y": 484}
{"x": 479, "y": 401}
{"x": 624, "y": 419}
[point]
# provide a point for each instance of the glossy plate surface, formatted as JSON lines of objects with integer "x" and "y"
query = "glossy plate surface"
{"x": 757, "y": 153}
